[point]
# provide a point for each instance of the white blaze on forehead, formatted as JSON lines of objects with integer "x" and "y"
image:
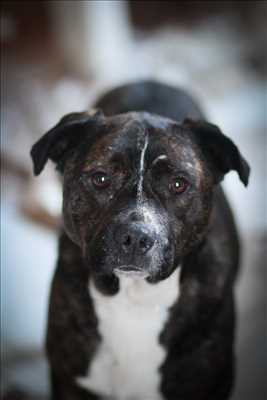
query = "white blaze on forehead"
{"x": 141, "y": 171}
{"x": 148, "y": 213}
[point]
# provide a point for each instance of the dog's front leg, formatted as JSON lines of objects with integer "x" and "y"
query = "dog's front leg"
{"x": 68, "y": 390}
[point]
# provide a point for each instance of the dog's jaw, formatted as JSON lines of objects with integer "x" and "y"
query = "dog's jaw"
{"x": 127, "y": 362}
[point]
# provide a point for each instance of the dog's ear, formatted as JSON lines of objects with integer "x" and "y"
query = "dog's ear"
{"x": 63, "y": 137}
{"x": 222, "y": 154}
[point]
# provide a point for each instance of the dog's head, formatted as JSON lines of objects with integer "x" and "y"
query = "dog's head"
{"x": 137, "y": 188}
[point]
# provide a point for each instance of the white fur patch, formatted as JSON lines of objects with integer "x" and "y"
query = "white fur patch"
{"x": 141, "y": 171}
{"x": 126, "y": 366}
{"x": 151, "y": 218}
{"x": 159, "y": 158}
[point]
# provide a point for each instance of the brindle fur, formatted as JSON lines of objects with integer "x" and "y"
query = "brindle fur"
{"x": 202, "y": 236}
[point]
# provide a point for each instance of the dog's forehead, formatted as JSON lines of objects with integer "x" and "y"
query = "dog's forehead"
{"x": 126, "y": 135}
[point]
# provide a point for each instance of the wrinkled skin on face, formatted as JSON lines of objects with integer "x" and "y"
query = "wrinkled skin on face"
{"x": 140, "y": 173}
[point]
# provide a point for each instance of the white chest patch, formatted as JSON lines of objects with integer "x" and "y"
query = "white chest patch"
{"x": 126, "y": 365}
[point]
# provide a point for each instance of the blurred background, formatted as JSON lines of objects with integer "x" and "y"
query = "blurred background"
{"x": 57, "y": 57}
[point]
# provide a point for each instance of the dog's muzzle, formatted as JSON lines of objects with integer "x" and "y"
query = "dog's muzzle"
{"x": 134, "y": 239}
{"x": 134, "y": 242}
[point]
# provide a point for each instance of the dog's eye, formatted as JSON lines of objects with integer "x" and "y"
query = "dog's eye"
{"x": 100, "y": 180}
{"x": 178, "y": 185}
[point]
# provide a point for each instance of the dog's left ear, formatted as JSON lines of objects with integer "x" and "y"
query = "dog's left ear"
{"x": 222, "y": 154}
{"x": 64, "y": 136}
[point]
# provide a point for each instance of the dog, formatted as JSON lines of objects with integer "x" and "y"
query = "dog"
{"x": 142, "y": 306}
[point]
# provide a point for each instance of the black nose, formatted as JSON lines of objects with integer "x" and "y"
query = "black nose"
{"x": 135, "y": 239}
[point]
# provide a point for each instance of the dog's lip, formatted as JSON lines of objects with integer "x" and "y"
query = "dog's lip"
{"x": 130, "y": 270}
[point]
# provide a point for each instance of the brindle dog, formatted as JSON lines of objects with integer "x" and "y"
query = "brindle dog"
{"x": 142, "y": 305}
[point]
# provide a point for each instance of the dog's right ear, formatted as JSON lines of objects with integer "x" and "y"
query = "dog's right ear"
{"x": 63, "y": 137}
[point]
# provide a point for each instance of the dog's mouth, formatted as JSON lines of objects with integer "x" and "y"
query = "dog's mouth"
{"x": 131, "y": 270}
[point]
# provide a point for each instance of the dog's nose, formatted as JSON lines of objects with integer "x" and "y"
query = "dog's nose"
{"x": 135, "y": 239}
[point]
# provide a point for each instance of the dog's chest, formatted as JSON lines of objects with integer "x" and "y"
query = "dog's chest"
{"x": 126, "y": 365}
